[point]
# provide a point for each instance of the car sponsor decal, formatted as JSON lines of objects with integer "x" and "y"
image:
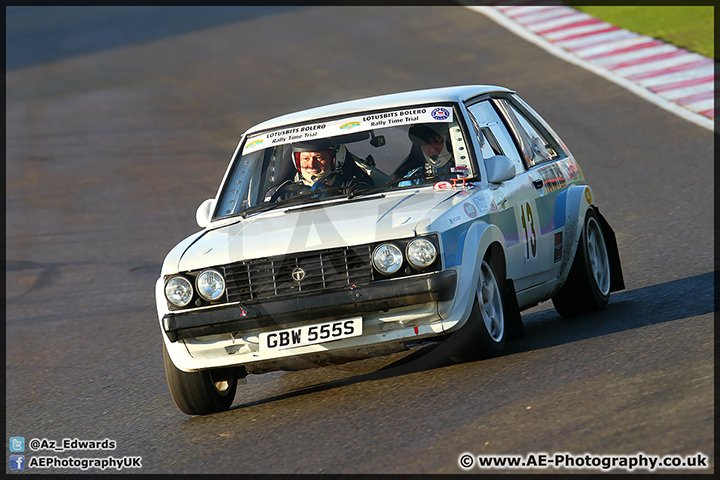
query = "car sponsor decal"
{"x": 500, "y": 199}
{"x": 477, "y": 205}
{"x": 553, "y": 178}
{"x": 440, "y": 113}
{"x": 573, "y": 170}
{"x": 349, "y": 125}
{"x": 485, "y": 203}
{"x": 404, "y": 116}
{"x": 470, "y": 210}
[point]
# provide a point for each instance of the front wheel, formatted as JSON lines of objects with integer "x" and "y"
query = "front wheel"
{"x": 202, "y": 392}
{"x": 483, "y": 335}
{"x": 587, "y": 287}
{"x": 488, "y": 309}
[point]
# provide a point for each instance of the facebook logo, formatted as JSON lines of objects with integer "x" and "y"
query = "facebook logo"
{"x": 17, "y": 444}
{"x": 17, "y": 462}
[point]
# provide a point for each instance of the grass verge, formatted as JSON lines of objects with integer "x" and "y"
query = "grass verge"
{"x": 690, "y": 27}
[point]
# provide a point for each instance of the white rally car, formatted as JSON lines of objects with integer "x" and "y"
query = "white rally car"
{"x": 356, "y": 229}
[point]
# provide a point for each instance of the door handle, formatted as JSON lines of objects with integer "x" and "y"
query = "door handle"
{"x": 538, "y": 184}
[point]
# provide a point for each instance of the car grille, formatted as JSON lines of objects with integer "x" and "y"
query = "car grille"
{"x": 273, "y": 276}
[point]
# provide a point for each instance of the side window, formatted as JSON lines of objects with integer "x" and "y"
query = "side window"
{"x": 537, "y": 147}
{"x": 493, "y": 133}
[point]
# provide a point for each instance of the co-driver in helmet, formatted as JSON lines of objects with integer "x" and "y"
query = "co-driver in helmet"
{"x": 430, "y": 156}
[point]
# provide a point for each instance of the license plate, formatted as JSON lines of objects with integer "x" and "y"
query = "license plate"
{"x": 311, "y": 334}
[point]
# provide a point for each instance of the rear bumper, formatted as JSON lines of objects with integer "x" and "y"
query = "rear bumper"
{"x": 288, "y": 312}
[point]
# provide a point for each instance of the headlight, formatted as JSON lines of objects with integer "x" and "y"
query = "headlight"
{"x": 178, "y": 291}
{"x": 387, "y": 258}
{"x": 421, "y": 253}
{"x": 210, "y": 285}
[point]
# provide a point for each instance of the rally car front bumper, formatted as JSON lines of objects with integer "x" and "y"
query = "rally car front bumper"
{"x": 241, "y": 318}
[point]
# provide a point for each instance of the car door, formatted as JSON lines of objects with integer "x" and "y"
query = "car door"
{"x": 547, "y": 164}
{"x": 528, "y": 241}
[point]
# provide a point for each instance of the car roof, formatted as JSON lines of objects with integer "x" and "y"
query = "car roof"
{"x": 395, "y": 100}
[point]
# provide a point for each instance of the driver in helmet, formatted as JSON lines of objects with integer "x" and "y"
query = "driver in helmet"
{"x": 318, "y": 169}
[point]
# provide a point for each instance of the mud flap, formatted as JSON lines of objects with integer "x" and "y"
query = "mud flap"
{"x": 617, "y": 281}
{"x": 513, "y": 319}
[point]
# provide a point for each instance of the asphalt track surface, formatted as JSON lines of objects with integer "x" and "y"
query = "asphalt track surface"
{"x": 115, "y": 137}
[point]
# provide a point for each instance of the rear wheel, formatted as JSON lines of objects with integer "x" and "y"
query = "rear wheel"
{"x": 201, "y": 392}
{"x": 483, "y": 335}
{"x": 587, "y": 287}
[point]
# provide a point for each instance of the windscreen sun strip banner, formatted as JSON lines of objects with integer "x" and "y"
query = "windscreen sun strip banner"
{"x": 358, "y": 123}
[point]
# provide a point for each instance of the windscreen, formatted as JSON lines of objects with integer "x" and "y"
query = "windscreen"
{"x": 352, "y": 156}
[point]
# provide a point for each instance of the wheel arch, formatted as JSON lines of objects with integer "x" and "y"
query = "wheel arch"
{"x": 495, "y": 253}
{"x": 580, "y": 199}
{"x": 477, "y": 240}
{"x": 482, "y": 241}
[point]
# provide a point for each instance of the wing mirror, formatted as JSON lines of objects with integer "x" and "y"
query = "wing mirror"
{"x": 204, "y": 211}
{"x": 500, "y": 169}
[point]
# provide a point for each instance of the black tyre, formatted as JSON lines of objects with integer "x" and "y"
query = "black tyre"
{"x": 587, "y": 287}
{"x": 483, "y": 335}
{"x": 202, "y": 392}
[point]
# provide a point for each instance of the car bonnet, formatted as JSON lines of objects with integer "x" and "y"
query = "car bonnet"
{"x": 331, "y": 224}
